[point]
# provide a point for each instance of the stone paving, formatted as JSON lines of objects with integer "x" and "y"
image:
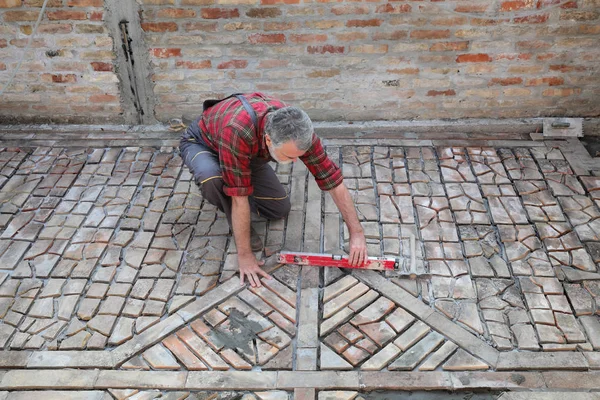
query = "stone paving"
{"x": 116, "y": 273}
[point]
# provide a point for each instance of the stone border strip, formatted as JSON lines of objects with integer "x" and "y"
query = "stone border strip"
{"x": 287, "y": 380}
{"x": 108, "y": 359}
{"x": 434, "y": 319}
{"x": 434, "y": 143}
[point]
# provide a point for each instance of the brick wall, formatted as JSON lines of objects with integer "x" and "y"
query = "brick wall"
{"x": 342, "y": 60}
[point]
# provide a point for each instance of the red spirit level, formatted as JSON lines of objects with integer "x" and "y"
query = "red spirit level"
{"x": 332, "y": 260}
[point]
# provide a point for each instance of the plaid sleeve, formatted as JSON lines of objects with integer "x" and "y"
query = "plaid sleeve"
{"x": 234, "y": 157}
{"x": 326, "y": 173}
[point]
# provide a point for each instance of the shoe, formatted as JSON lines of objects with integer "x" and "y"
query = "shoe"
{"x": 256, "y": 243}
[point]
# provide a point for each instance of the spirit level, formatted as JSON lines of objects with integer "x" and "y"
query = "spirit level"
{"x": 333, "y": 260}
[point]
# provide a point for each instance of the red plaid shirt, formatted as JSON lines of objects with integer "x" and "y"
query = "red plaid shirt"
{"x": 228, "y": 130}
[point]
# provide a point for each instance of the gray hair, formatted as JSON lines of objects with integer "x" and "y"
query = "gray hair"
{"x": 290, "y": 124}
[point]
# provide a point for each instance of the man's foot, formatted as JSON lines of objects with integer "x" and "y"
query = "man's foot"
{"x": 256, "y": 243}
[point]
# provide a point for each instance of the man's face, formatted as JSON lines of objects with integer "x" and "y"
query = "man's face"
{"x": 285, "y": 153}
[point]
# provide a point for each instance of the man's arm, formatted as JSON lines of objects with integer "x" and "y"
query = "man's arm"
{"x": 240, "y": 221}
{"x": 358, "y": 243}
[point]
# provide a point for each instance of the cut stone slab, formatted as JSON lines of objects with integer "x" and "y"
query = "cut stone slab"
{"x": 591, "y": 324}
{"x": 331, "y": 361}
{"x": 463, "y": 361}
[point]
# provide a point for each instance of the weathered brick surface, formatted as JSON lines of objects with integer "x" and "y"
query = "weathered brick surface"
{"x": 486, "y": 73}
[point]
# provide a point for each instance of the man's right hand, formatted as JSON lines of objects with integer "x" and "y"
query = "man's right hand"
{"x": 250, "y": 267}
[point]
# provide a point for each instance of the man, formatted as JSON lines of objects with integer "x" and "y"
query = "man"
{"x": 227, "y": 150}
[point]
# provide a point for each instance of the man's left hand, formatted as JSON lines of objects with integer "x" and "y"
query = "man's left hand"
{"x": 358, "y": 249}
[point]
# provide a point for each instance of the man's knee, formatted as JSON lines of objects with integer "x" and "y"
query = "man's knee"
{"x": 211, "y": 189}
{"x": 275, "y": 209}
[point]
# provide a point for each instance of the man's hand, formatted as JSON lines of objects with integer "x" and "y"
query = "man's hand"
{"x": 250, "y": 267}
{"x": 358, "y": 249}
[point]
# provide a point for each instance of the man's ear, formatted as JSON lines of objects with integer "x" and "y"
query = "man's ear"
{"x": 268, "y": 139}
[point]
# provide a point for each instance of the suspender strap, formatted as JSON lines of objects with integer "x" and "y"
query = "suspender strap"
{"x": 250, "y": 110}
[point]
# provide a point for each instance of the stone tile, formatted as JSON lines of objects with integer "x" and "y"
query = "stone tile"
{"x": 541, "y": 361}
{"x": 413, "y": 356}
{"x": 160, "y": 358}
{"x": 463, "y": 361}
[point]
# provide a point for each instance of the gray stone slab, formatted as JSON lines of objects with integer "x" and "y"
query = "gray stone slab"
{"x": 231, "y": 380}
{"x": 141, "y": 380}
{"x": 550, "y": 396}
{"x": 308, "y": 324}
{"x": 541, "y": 361}
{"x": 71, "y": 359}
{"x": 473, "y": 380}
{"x": 45, "y": 379}
{"x": 323, "y": 380}
{"x": 57, "y": 395}
{"x": 406, "y": 380}
{"x": 14, "y": 359}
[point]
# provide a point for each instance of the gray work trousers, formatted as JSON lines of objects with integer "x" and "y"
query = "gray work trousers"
{"x": 269, "y": 199}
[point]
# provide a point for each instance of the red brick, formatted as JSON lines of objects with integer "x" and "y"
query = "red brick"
{"x": 589, "y": 29}
{"x": 328, "y": 48}
{"x": 166, "y": 53}
{"x": 579, "y": 15}
{"x": 505, "y": 81}
{"x": 488, "y": 22}
{"x": 567, "y": 68}
{"x": 471, "y": 8}
{"x": 59, "y": 78}
{"x": 451, "y": 21}
{"x": 159, "y": 26}
{"x": 394, "y": 9}
{"x": 55, "y": 28}
{"x": 515, "y": 5}
{"x": 329, "y": 73}
{"x": 361, "y": 23}
{"x": 103, "y": 98}
{"x": 16, "y": 16}
{"x": 562, "y": 92}
{"x": 10, "y": 3}
{"x": 217, "y": 13}
{"x": 273, "y": 63}
{"x": 264, "y": 12}
{"x": 259, "y": 38}
{"x": 513, "y": 56}
{"x": 308, "y": 38}
{"x": 175, "y": 13}
{"x": 532, "y": 19}
{"x": 66, "y": 15}
{"x": 194, "y": 64}
{"x": 96, "y": 16}
{"x": 233, "y": 64}
{"x": 280, "y": 26}
{"x": 550, "y": 81}
{"x": 201, "y": 26}
{"x": 404, "y": 71}
{"x": 197, "y": 2}
{"x": 324, "y": 24}
{"x": 101, "y": 66}
{"x": 271, "y": 2}
{"x": 351, "y": 36}
{"x": 569, "y": 4}
{"x": 473, "y": 58}
{"x": 2, "y": 66}
{"x": 394, "y": 35}
{"x": 85, "y": 3}
{"x": 534, "y": 44}
{"x": 3, "y": 43}
{"x": 39, "y": 3}
{"x": 449, "y": 46}
{"x": 345, "y": 10}
{"x": 449, "y": 92}
{"x": 35, "y": 43}
{"x": 430, "y": 34}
